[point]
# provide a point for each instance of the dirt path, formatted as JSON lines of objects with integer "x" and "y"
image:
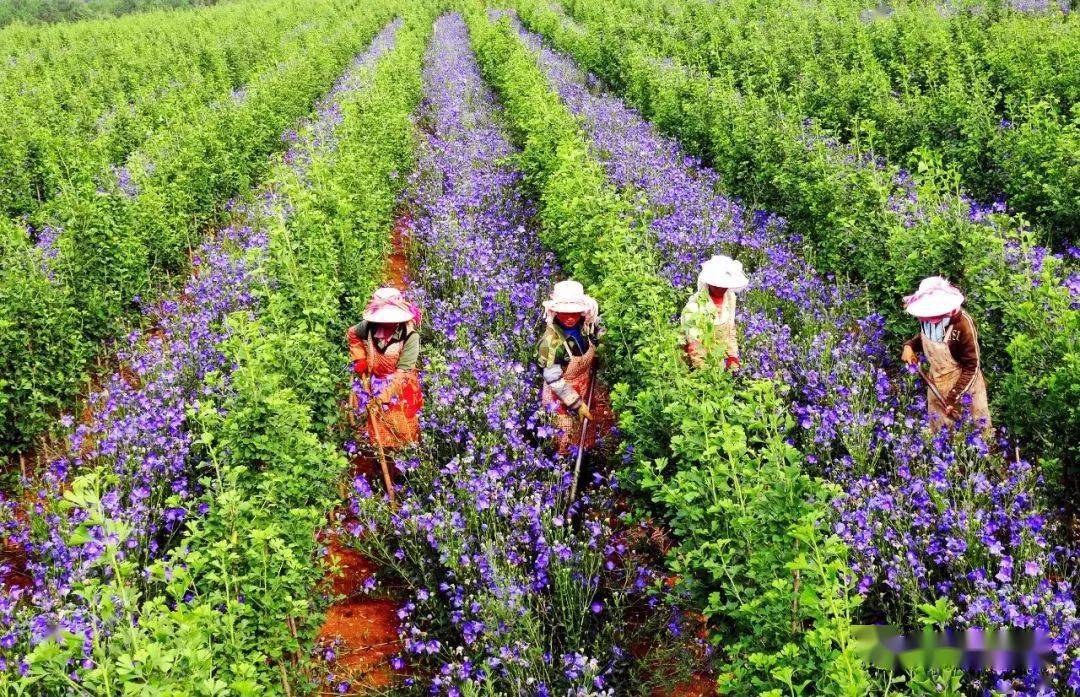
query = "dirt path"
{"x": 363, "y": 630}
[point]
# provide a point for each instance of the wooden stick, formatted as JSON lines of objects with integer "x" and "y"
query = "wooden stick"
{"x": 584, "y": 433}
{"x": 374, "y": 420}
{"x": 284, "y": 679}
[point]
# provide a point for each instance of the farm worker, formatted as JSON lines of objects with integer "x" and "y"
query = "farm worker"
{"x": 385, "y": 349}
{"x": 567, "y": 355}
{"x": 708, "y": 320}
{"x": 950, "y": 342}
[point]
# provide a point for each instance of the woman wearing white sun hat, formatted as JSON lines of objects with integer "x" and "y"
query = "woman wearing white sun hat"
{"x": 385, "y": 346}
{"x": 708, "y": 319}
{"x": 950, "y": 342}
{"x": 567, "y": 354}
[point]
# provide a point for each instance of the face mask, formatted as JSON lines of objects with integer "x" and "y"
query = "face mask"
{"x": 935, "y": 331}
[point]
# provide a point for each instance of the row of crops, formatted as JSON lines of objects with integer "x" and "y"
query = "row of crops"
{"x": 32, "y": 12}
{"x": 205, "y": 218}
{"x": 119, "y": 148}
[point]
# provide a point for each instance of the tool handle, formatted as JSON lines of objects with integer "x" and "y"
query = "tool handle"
{"x": 584, "y": 434}
{"x": 374, "y": 419}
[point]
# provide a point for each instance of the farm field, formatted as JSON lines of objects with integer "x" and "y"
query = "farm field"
{"x": 296, "y": 399}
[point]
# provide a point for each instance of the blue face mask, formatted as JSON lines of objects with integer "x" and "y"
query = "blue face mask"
{"x": 935, "y": 331}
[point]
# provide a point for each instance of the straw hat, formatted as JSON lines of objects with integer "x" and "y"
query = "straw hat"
{"x": 935, "y": 297}
{"x": 722, "y": 272}
{"x": 569, "y": 296}
{"x": 389, "y": 306}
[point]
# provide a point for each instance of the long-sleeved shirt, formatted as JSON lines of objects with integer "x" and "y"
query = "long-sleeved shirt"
{"x": 708, "y": 326}
{"x": 962, "y": 338}
{"x": 554, "y": 352}
{"x": 410, "y": 352}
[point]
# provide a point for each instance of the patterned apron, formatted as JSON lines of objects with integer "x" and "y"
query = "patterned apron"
{"x": 579, "y": 375}
{"x": 396, "y": 424}
{"x": 944, "y": 372}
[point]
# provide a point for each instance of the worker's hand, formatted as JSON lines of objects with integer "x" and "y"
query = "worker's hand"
{"x": 583, "y": 412}
{"x": 732, "y": 363}
{"x": 696, "y": 353}
{"x": 952, "y": 412}
{"x": 909, "y": 356}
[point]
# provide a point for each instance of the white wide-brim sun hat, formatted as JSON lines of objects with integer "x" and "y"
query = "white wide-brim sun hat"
{"x": 722, "y": 272}
{"x": 388, "y": 306}
{"x": 569, "y": 296}
{"x": 934, "y": 298}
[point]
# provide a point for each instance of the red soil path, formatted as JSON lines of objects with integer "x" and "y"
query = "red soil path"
{"x": 13, "y": 573}
{"x": 364, "y": 630}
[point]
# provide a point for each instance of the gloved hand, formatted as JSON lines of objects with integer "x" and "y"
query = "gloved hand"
{"x": 583, "y": 412}
{"x": 359, "y": 367}
{"x": 909, "y": 356}
{"x": 732, "y": 363}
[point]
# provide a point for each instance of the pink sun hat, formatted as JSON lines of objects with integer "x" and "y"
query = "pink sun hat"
{"x": 935, "y": 297}
{"x": 388, "y": 306}
{"x": 570, "y": 296}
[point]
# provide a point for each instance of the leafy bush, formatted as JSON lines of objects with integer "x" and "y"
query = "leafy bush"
{"x": 917, "y": 80}
{"x": 114, "y": 248}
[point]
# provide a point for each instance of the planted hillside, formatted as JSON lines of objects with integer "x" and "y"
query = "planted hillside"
{"x": 469, "y": 348}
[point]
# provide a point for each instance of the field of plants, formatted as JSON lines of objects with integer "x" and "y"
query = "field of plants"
{"x": 197, "y": 203}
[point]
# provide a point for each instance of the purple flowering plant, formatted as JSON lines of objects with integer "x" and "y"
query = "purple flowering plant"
{"x": 199, "y": 432}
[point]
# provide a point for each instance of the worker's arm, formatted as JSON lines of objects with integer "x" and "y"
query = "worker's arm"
{"x": 965, "y": 351}
{"x": 549, "y": 360}
{"x": 915, "y": 343}
{"x": 912, "y": 349}
{"x": 410, "y": 353}
{"x": 357, "y": 349}
{"x": 690, "y": 322}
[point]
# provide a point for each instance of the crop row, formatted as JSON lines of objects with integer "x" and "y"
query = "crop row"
{"x": 39, "y": 11}
{"x": 866, "y": 220}
{"x": 77, "y": 99}
{"x": 167, "y": 562}
{"x": 768, "y": 549}
{"x": 104, "y": 252}
{"x": 989, "y": 93}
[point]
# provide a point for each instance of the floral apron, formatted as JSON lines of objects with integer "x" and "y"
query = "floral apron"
{"x": 579, "y": 375}
{"x": 396, "y": 424}
{"x": 944, "y": 372}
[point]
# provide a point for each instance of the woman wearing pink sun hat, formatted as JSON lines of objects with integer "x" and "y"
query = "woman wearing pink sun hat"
{"x": 385, "y": 346}
{"x": 950, "y": 342}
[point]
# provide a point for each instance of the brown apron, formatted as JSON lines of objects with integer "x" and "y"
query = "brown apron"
{"x": 944, "y": 372}
{"x": 579, "y": 375}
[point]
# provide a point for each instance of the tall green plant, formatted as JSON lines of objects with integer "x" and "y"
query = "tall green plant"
{"x": 235, "y": 608}
{"x": 115, "y": 247}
